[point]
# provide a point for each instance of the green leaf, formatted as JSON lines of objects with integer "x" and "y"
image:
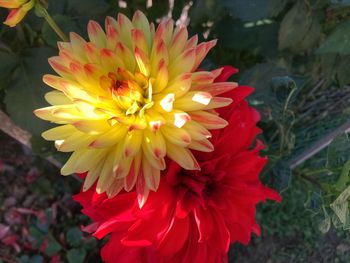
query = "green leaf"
{"x": 341, "y": 208}
{"x": 24, "y": 259}
{"x": 282, "y": 176}
{"x": 338, "y": 41}
{"x": 260, "y": 77}
{"x": 76, "y": 255}
{"x": 340, "y": 2}
{"x": 299, "y": 29}
{"x": 253, "y": 10}
{"x": 74, "y": 236}
{"x": 37, "y": 259}
{"x": 8, "y": 62}
{"x": 160, "y": 8}
{"x": 42, "y": 186}
{"x": 90, "y": 243}
{"x": 284, "y": 89}
{"x": 33, "y": 259}
{"x": 52, "y": 247}
{"x": 27, "y": 91}
{"x": 326, "y": 223}
{"x": 205, "y": 10}
{"x": 257, "y": 38}
{"x": 67, "y": 24}
{"x": 36, "y": 236}
{"x": 338, "y": 151}
{"x": 90, "y": 8}
{"x": 342, "y": 69}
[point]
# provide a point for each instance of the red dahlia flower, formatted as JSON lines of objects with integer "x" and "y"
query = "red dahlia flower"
{"x": 194, "y": 215}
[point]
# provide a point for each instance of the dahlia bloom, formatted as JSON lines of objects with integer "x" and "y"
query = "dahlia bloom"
{"x": 18, "y": 10}
{"x": 130, "y": 97}
{"x": 194, "y": 215}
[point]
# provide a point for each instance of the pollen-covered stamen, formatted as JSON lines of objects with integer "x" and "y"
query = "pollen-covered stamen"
{"x": 132, "y": 94}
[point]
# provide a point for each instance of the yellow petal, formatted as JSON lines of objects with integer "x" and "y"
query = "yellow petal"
{"x": 126, "y": 56}
{"x": 96, "y": 34}
{"x": 192, "y": 42}
{"x": 140, "y": 41}
{"x": 124, "y": 28}
{"x": 176, "y": 136}
{"x": 218, "y": 88}
{"x": 112, "y": 33}
{"x": 179, "y": 86}
{"x": 58, "y": 64}
{"x": 178, "y": 43}
{"x": 92, "y": 175}
{"x": 76, "y": 141}
{"x": 132, "y": 142}
{"x": 110, "y": 138}
{"x": 57, "y": 98}
{"x": 218, "y": 102}
{"x": 123, "y": 167}
{"x": 78, "y": 46}
{"x": 115, "y": 188}
{"x": 59, "y": 133}
{"x": 208, "y": 120}
{"x": 130, "y": 179}
{"x": 69, "y": 167}
{"x": 92, "y": 127}
{"x": 110, "y": 61}
{"x": 201, "y": 78}
{"x": 142, "y": 62}
{"x": 159, "y": 53}
{"x": 154, "y": 144}
{"x": 182, "y": 64}
{"x": 197, "y": 131}
{"x": 182, "y": 156}
{"x": 106, "y": 176}
{"x": 203, "y": 146}
{"x": 201, "y": 51}
{"x": 161, "y": 79}
{"x": 193, "y": 101}
{"x": 90, "y": 159}
{"x": 151, "y": 175}
{"x": 140, "y": 21}
{"x": 92, "y": 53}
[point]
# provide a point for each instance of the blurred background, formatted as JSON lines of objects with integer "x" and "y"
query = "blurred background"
{"x": 295, "y": 53}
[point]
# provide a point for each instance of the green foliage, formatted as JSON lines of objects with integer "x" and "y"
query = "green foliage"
{"x": 74, "y": 237}
{"x": 338, "y": 41}
{"x": 26, "y": 92}
{"x": 252, "y": 10}
{"x": 65, "y": 22}
{"x": 76, "y": 255}
{"x": 299, "y": 29}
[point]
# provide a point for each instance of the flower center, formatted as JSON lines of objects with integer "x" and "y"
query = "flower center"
{"x": 197, "y": 183}
{"x": 132, "y": 93}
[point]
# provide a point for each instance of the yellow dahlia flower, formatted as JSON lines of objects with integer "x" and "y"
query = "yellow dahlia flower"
{"x": 129, "y": 97}
{"x": 19, "y": 8}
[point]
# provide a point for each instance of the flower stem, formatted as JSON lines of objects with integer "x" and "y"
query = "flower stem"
{"x": 54, "y": 26}
{"x": 41, "y": 11}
